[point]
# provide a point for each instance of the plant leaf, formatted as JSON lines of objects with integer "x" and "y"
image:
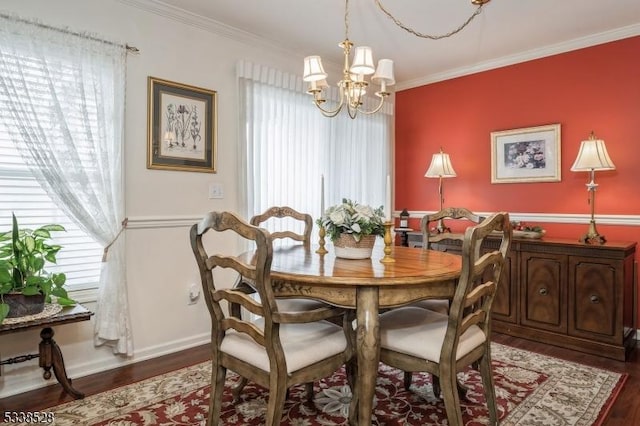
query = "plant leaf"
{"x": 30, "y": 291}
{"x": 5, "y": 275}
{"x": 29, "y": 243}
{"x": 52, "y": 227}
{"x": 4, "y": 311}
{"x": 65, "y": 302}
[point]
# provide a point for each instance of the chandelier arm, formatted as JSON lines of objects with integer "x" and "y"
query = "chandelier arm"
{"x": 373, "y": 111}
{"x": 429, "y": 36}
{"x": 330, "y": 112}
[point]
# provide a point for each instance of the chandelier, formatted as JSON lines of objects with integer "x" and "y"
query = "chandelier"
{"x": 352, "y": 88}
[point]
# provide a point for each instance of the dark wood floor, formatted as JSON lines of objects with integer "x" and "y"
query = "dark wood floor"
{"x": 625, "y": 412}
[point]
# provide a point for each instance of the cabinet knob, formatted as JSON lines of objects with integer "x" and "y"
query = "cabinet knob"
{"x": 594, "y": 299}
{"x": 543, "y": 291}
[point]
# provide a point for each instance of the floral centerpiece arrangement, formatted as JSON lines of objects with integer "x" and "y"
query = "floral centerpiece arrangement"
{"x": 351, "y": 224}
{"x": 352, "y": 227}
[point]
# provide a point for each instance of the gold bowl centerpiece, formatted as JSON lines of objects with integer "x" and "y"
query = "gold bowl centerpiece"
{"x": 353, "y": 227}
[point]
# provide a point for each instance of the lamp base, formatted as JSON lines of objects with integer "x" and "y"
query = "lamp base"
{"x": 592, "y": 236}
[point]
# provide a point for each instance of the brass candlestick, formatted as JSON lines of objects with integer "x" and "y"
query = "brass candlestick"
{"x": 387, "y": 243}
{"x": 321, "y": 234}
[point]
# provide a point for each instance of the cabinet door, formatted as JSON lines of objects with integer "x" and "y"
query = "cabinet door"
{"x": 505, "y": 302}
{"x": 543, "y": 291}
{"x": 595, "y": 295}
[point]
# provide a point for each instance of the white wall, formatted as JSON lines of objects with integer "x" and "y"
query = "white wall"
{"x": 161, "y": 205}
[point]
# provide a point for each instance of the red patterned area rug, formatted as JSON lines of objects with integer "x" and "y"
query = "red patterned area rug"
{"x": 532, "y": 389}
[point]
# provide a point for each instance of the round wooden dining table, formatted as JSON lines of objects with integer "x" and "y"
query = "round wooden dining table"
{"x": 367, "y": 286}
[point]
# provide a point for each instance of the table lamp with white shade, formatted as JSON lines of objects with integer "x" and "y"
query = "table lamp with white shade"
{"x": 440, "y": 168}
{"x": 592, "y": 156}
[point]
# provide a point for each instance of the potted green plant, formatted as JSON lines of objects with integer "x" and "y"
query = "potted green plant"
{"x": 25, "y": 285}
{"x": 353, "y": 228}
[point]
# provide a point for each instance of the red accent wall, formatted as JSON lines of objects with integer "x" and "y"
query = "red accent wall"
{"x": 596, "y": 88}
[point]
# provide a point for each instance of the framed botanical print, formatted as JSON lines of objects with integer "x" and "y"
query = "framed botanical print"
{"x": 181, "y": 127}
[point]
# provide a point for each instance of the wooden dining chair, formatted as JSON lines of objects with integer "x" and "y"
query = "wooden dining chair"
{"x": 288, "y": 216}
{"x": 416, "y": 339}
{"x": 433, "y": 231}
{"x": 276, "y": 219}
{"x": 431, "y": 235}
{"x": 275, "y": 349}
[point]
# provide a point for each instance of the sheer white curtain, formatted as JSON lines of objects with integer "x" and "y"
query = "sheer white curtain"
{"x": 287, "y": 145}
{"x": 63, "y": 106}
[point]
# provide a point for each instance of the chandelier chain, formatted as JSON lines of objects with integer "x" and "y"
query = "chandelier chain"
{"x": 346, "y": 20}
{"x": 429, "y": 36}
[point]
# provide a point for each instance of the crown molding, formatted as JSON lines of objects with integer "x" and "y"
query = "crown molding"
{"x": 578, "y": 43}
{"x": 210, "y": 25}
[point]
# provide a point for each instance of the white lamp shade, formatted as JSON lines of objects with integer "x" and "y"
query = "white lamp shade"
{"x": 384, "y": 73}
{"x": 593, "y": 155}
{"x": 313, "y": 70}
{"x": 440, "y": 166}
{"x": 362, "y": 61}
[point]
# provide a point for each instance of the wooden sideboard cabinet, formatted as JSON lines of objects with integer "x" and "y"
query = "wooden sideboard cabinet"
{"x": 565, "y": 293}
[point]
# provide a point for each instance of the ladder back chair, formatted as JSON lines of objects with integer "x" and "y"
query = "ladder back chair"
{"x": 442, "y": 231}
{"x": 432, "y": 235}
{"x": 275, "y": 349}
{"x": 276, "y": 217}
{"x": 449, "y": 343}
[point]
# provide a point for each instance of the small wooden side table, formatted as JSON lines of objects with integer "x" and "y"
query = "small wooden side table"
{"x": 404, "y": 235}
{"x": 49, "y": 352}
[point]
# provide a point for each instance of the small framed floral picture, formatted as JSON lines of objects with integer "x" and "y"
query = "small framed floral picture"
{"x": 530, "y": 154}
{"x": 181, "y": 127}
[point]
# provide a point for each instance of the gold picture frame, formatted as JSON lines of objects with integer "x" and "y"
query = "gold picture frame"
{"x": 530, "y": 154}
{"x": 181, "y": 127}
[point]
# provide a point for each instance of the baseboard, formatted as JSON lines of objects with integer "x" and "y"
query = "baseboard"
{"x": 101, "y": 364}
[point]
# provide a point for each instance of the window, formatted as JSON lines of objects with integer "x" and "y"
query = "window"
{"x": 39, "y": 80}
{"x": 289, "y": 145}
{"x": 20, "y": 193}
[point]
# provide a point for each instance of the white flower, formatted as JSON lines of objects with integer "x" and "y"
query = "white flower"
{"x": 338, "y": 216}
{"x": 364, "y": 212}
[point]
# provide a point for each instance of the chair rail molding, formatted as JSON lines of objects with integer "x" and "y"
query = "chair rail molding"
{"x": 155, "y": 222}
{"x": 604, "y": 219}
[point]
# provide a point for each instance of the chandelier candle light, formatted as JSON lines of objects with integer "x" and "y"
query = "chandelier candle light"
{"x": 592, "y": 156}
{"x": 353, "y": 86}
{"x": 440, "y": 167}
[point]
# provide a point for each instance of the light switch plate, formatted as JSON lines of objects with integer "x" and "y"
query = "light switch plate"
{"x": 216, "y": 190}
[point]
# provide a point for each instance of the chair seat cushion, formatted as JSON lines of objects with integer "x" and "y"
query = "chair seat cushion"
{"x": 303, "y": 344}
{"x": 438, "y": 305}
{"x": 420, "y": 332}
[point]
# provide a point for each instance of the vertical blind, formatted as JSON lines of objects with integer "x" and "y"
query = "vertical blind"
{"x": 287, "y": 145}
